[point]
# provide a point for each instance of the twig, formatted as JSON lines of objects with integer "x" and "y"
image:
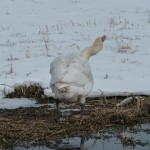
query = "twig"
{"x": 5, "y": 66}
{"x": 7, "y": 85}
{"x": 133, "y": 51}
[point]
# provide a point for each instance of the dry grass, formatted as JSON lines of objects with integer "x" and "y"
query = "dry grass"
{"x": 123, "y": 46}
{"x": 39, "y": 125}
{"x": 34, "y": 90}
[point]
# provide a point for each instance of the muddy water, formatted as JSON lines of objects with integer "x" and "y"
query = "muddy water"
{"x": 136, "y": 138}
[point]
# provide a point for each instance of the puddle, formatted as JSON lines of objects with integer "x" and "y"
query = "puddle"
{"x": 136, "y": 138}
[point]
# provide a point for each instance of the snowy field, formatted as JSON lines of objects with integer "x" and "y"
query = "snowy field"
{"x": 34, "y": 32}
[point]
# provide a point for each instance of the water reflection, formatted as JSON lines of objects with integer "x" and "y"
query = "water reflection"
{"x": 114, "y": 139}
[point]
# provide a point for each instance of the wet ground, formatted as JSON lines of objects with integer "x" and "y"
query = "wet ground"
{"x": 102, "y": 125}
{"x": 136, "y": 138}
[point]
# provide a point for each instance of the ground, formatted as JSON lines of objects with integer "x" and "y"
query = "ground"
{"x": 40, "y": 126}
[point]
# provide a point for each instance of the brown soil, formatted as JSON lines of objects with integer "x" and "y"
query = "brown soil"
{"x": 39, "y": 125}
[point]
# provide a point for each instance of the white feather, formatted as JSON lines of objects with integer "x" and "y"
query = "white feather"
{"x": 72, "y": 71}
{"x": 71, "y": 76}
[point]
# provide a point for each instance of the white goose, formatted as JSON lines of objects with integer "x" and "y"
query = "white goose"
{"x": 71, "y": 76}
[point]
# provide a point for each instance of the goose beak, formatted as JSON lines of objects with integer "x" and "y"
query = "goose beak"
{"x": 103, "y": 38}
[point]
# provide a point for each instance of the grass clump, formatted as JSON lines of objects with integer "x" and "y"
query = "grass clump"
{"x": 31, "y": 90}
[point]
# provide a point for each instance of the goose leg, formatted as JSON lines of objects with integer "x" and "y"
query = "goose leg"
{"x": 57, "y": 109}
{"x": 82, "y": 105}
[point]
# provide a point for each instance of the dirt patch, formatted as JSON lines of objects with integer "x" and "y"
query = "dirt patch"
{"x": 39, "y": 125}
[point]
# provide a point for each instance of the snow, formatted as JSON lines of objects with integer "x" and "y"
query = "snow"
{"x": 34, "y": 32}
{"x": 15, "y": 103}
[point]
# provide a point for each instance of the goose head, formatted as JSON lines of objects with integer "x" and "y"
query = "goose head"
{"x": 95, "y": 48}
